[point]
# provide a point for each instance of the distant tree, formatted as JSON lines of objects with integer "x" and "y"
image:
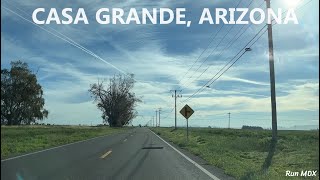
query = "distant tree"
{"x": 252, "y": 127}
{"x": 117, "y": 101}
{"x": 21, "y": 96}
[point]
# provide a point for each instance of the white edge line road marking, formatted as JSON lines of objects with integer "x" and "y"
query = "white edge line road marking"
{"x": 52, "y": 148}
{"x": 190, "y": 160}
{"x": 106, "y": 154}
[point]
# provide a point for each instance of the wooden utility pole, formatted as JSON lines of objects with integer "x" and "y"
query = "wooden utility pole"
{"x": 229, "y": 120}
{"x": 156, "y": 118}
{"x": 175, "y": 106}
{"x": 159, "y": 116}
{"x": 272, "y": 80}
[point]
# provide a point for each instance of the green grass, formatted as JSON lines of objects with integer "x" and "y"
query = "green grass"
{"x": 17, "y": 140}
{"x": 242, "y": 153}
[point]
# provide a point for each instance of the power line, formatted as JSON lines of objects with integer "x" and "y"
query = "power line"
{"x": 228, "y": 63}
{"x": 210, "y": 53}
{"x": 272, "y": 20}
{"x": 212, "y": 39}
{"x": 229, "y": 44}
{"x": 198, "y": 58}
{"x": 239, "y": 56}
{"x": 168, "y": 113}
{"x": 232, "y": 40}
{"x": 237, "y": 59}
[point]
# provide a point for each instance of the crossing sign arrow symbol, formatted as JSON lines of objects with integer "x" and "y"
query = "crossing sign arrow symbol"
{"x": 186, "y": 111}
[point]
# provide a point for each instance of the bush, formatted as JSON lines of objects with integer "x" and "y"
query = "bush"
{"x": 252, "y": 127}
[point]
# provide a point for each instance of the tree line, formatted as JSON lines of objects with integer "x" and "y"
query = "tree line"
{"x": 252, "y": 127}
{"x": 22, "y": 100}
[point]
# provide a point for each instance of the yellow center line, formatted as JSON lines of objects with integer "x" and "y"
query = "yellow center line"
{"x": 106, "y": 154}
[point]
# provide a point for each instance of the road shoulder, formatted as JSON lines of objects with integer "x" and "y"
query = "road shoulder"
{"x": 219, "y": 173}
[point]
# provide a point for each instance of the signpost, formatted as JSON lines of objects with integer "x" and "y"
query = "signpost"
{"x": 186, "y": 111}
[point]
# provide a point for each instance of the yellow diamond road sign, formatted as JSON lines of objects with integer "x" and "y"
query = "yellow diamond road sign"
{"x": 186, "y": 111}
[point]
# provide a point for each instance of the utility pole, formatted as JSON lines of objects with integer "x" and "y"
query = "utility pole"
{"x": 153, "y": 121}
{"x": 175, "y": 106}
{"x": 150, "y": 122}
{"x": 229, "y": 120}
{"x": 159, "y": 116}
{"x": 272, "y": 80}
{"x": 156, "y": 118}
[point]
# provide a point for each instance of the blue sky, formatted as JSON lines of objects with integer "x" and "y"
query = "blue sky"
{"x": 160, "y": 57}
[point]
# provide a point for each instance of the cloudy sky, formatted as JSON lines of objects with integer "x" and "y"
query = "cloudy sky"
{"x": 167, "y": 57}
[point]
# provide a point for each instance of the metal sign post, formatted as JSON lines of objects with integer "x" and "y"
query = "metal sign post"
{"x": 186, "y": 111}
{"x": 187, "y": 131}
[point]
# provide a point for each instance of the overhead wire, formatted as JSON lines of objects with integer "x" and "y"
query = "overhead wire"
{"x": 236, "y": 56}
{"x": 229, "y": 44}
{"x": 207, "y": 47}
{"x": 228, "y": 63}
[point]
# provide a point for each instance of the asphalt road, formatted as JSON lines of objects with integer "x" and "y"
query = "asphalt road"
{"x": 136, "y": 154}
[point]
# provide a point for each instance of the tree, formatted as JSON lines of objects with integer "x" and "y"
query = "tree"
{"x": 252, "y": 127}
{"x": 21, "y": 96}
{"x": 117, "y": 102}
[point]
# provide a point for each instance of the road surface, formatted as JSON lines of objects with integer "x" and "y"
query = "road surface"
{"x": 136, "y": 154}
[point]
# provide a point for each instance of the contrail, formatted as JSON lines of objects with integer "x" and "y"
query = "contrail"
{"x": 68, "y": 40}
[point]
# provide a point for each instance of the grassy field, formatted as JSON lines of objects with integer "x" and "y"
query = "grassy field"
{"x": 244, "y": 154}
{"x": 18, "y": 140}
